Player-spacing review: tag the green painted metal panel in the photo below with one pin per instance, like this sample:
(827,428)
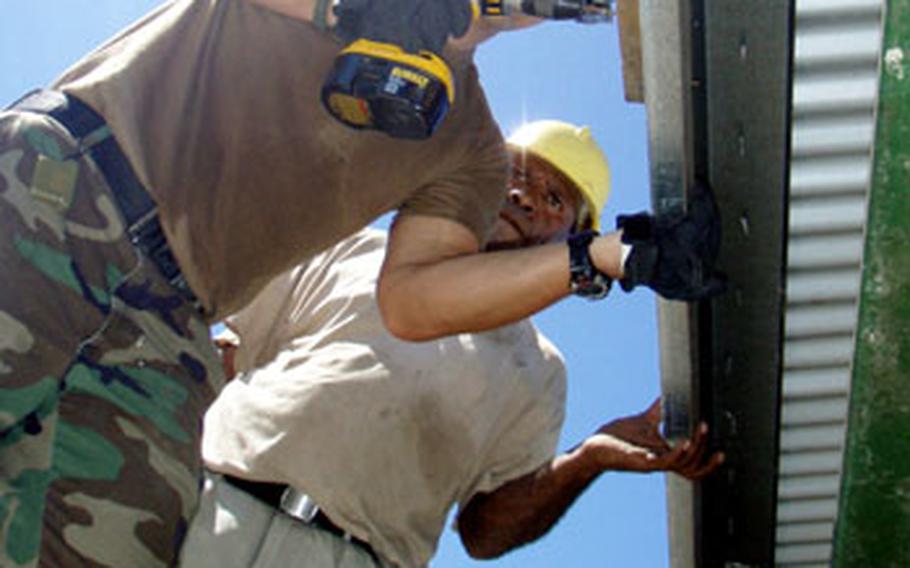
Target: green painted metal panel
(874,515)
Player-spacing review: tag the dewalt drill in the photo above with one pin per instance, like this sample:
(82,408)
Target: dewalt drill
(381,86)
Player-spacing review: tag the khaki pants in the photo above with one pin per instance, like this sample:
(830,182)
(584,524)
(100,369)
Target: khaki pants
(233,529)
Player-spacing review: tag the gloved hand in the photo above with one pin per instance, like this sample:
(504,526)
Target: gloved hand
(410,24)
(675,254)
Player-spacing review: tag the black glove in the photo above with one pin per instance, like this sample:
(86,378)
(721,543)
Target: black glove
(674,255)
(410,24)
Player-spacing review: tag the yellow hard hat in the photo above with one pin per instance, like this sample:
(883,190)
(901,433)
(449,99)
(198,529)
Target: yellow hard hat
(572,150)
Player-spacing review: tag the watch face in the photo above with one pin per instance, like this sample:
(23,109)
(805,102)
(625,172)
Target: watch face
(586,280)
(594,290)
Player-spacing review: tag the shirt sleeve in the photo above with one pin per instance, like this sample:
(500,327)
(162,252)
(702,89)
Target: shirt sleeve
(472,193)
(294,304)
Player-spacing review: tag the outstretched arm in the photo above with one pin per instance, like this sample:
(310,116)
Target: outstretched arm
(435,281)
(525,508)
(411,24)
(298,9)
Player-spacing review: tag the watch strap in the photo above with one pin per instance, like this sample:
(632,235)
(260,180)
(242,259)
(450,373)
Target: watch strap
(585,279)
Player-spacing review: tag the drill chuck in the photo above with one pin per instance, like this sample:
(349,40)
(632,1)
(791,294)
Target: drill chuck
(585,11)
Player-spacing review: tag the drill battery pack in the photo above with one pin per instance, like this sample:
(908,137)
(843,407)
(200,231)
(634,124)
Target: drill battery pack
(379,86)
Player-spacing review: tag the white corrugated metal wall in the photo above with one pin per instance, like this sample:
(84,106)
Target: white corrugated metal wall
(835,87)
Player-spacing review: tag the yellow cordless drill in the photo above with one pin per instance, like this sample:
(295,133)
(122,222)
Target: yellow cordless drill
(379,85)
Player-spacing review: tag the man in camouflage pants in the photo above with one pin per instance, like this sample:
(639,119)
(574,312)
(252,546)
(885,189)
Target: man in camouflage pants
(105,369)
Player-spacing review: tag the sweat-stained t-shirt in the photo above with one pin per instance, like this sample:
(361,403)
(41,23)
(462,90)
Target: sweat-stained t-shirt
(385,435)
(216,104)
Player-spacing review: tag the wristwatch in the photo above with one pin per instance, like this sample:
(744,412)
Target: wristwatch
(585,279)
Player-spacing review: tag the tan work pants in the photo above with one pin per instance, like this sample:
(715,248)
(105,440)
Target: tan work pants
(233,529)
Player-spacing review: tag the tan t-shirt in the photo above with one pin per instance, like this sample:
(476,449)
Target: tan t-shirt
(385,435)
(216,104)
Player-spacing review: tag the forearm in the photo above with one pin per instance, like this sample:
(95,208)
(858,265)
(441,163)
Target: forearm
(474,292)
(523,510)
(298,9)
(427,293)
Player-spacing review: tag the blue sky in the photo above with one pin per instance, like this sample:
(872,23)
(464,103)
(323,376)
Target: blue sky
(556,70)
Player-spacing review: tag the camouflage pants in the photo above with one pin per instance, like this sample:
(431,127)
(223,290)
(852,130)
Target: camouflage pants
(105,371)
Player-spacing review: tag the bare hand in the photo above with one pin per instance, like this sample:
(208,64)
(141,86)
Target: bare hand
(634,443)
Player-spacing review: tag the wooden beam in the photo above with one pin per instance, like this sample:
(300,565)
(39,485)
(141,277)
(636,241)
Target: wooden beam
(630,47)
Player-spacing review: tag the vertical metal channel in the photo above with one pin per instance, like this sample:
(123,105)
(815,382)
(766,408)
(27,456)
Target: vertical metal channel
(667,52)
(667,80)
(835,83)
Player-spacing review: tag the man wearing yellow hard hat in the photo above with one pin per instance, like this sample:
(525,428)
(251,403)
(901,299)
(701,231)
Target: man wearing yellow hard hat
(343,445)
(574,154)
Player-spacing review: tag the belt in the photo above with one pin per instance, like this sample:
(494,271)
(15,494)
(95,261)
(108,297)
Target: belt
(296,505)
(135,204)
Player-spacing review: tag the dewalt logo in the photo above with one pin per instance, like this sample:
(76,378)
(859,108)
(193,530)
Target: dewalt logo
(408,75)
